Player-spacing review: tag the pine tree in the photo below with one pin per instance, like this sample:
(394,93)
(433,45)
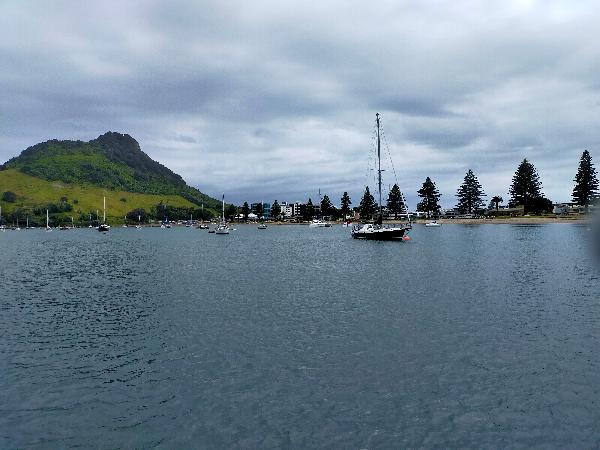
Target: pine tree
(367,206)
(345,203)
(586,182)
(245,211)
(526,186)
(275,210)
(309,212)
(431,197)
(470,194)
(326,206)
(230,212)
(395,201)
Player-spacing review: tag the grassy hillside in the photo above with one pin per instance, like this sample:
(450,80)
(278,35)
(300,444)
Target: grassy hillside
(33,192)
(112,161)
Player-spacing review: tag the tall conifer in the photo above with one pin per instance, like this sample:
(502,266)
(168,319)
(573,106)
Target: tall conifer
(586,182)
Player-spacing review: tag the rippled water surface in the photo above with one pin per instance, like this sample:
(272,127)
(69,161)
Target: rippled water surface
(467,336)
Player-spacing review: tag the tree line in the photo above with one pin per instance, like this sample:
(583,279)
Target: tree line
(525,191)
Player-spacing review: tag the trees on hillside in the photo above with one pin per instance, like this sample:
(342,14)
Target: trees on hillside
(345,203)
(395,201)
(9,197)
(430,198)
(470,194)
(526,187)
(367,206)
(586,182)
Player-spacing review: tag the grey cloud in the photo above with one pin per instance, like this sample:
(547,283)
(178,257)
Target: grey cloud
(272,100)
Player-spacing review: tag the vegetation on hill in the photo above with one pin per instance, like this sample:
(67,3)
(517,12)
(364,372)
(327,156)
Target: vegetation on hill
(31,196)
(112,161)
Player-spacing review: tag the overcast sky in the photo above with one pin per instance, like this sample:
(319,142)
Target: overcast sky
(272,99)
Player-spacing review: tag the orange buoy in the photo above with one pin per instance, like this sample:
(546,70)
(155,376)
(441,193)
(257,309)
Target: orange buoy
(406,238)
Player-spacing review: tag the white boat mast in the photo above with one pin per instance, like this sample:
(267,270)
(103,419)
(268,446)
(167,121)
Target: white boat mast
(104,212)
(379,167)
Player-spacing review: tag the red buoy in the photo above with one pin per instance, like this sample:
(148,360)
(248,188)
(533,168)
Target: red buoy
(406,238)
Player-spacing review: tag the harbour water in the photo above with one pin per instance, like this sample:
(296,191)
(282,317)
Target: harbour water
(465,337)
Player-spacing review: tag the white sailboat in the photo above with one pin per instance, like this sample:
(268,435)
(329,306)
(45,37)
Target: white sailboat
(48,222)
(202,225)
(318,223)
(139,225)
(378,231)
(433,224)
(104,227)
(222,228)
(2,226)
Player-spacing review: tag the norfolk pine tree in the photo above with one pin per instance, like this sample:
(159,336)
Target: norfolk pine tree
(586,182)
(367,206)
(345,203)
(470,194)
(430,196)
(275,210)
(326,206)
(526,186)
(245,211)
(395,203)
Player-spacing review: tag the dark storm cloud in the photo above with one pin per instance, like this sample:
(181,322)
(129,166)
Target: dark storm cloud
(271,100)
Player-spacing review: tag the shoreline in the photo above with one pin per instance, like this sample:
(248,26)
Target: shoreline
(511,220)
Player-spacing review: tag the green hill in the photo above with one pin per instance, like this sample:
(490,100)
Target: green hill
(72,177)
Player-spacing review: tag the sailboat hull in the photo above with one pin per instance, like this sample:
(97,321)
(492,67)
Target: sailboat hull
(374,233)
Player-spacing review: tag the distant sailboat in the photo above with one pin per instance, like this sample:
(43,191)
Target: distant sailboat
(222,228)
(48,222)
(377,231)
(139,225)
(318,223)
(433,224)
(202,225)
(104,227)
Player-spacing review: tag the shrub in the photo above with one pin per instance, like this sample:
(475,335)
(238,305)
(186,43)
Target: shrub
(9,197)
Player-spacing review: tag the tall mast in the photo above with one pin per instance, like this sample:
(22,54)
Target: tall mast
(104,209)
(379,165)
(223,207)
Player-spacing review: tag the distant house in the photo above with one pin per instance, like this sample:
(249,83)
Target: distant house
(450,213)
(506,211)
(561,208)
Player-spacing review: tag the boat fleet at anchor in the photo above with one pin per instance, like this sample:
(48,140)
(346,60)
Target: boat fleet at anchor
(368,231)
